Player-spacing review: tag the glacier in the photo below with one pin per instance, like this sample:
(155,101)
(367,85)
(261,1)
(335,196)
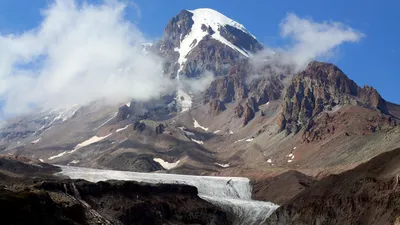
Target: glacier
(232,194)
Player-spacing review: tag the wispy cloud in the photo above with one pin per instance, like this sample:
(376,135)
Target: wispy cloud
(308,40)
(312,40)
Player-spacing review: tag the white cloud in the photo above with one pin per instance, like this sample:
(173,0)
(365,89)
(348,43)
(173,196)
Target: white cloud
(309,40)
(78,53)
(198,85)
(312,40)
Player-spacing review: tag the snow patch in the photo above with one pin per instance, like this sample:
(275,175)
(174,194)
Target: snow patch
(197,141)
(74,162)
(230,132)
(267,103)
(240,140)
(291,157)
(41,160)
(90,141)
(217,131)
(166,165)
(249,140)
(222,165)
(183,100)
(36,141)
(128,104)
(81,145)
(269,161)
(58,155)
(121,129)
(197,125)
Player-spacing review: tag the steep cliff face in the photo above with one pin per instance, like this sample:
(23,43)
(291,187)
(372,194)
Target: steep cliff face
(244,89)
(322,86)
(135,203)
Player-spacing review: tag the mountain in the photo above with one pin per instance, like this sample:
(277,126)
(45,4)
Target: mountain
(204,39)
(257,117)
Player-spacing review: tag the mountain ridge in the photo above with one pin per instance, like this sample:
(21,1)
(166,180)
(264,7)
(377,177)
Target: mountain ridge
(252,119)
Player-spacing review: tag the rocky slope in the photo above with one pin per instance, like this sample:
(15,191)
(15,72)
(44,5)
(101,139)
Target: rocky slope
(281,188)
(367,194)
(321,87)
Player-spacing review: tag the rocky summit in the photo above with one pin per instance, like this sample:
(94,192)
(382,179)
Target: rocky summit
(309,139)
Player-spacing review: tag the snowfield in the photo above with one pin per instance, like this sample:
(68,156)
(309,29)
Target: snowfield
(90,141)
(233,194)
(167,165)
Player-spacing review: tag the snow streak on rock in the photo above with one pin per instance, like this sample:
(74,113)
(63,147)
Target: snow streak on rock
(166,165)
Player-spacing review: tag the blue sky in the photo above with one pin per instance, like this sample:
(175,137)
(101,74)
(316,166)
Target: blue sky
(373,61)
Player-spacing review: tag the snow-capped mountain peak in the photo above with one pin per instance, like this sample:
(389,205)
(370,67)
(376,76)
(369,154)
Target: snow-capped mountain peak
(208,22)
(214,19)
(189,35)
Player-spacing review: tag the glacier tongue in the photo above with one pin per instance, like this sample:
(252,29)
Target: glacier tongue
(232,194)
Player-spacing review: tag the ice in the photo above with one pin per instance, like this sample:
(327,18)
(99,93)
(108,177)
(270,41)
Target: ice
(166,165)
(121,129)
(197,125)
(233,194)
